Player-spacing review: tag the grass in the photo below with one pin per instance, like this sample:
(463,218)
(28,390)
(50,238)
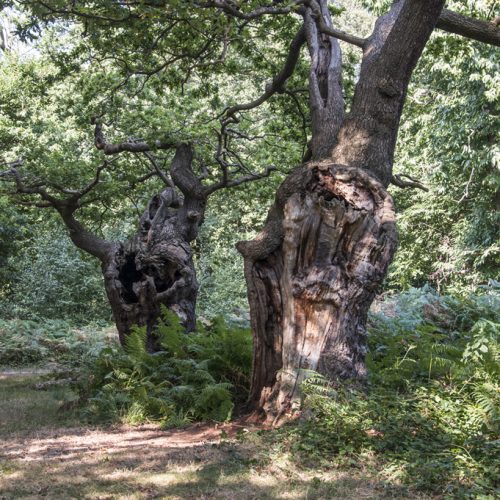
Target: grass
(25,409)
(48,453)
(425,426)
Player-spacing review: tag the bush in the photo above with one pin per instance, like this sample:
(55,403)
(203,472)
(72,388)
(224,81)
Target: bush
(429,412)
(29,342)
(51,278)
(194,377)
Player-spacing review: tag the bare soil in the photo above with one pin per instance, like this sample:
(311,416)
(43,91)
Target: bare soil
(45,454)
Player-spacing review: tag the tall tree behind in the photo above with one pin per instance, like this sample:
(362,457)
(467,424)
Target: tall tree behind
(314,270)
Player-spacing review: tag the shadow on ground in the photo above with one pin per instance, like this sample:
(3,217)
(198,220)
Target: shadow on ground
(42,457)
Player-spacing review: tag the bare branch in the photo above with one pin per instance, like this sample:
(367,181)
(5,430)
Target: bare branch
(230,8)
(240,180)
(130,146)
(398,181)
(161,174)
(329,30)
(452,22)
(33,189)
(325,80)
(11,164)
(84,15)
(80,236)
(277,83)
(91,185)
(36,204)
(483,31)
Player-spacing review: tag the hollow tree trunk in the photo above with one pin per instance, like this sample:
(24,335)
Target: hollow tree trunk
(153,269)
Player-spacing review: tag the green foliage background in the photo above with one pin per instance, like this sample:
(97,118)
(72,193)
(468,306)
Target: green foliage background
(429,414)
(450,236)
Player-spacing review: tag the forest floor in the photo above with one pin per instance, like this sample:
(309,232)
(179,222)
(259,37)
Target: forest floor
(49,453)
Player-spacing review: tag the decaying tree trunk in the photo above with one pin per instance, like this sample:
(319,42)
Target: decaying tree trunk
(310,296)
(314,270)
(154,268)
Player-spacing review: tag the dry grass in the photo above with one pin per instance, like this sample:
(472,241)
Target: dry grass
(43,454)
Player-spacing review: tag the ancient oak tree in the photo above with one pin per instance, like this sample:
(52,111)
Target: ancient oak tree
(314,269)
(313,272)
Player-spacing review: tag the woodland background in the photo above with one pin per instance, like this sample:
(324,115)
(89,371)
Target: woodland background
(433,330)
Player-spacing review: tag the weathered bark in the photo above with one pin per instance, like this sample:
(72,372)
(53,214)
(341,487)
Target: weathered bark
(152,269)
(155,267)
(326,102)
(313,272)
(310,296)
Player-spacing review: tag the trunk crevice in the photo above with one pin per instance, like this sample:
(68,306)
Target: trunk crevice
(310,297)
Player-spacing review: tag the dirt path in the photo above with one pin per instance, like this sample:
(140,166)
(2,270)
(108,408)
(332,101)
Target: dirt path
(45,454)
(70,442)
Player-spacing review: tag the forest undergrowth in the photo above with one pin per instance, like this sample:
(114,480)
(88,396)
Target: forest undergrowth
(427,417)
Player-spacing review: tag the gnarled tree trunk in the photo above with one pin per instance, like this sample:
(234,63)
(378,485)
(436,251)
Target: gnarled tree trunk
(310,296)
(313,272)
(153,269)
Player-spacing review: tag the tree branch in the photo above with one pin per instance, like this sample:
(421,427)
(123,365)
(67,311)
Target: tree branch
(327,28)
(398,181)
(80,236)
(483,31)
(277,83)
(91,185)
(83,238)
(182,173)
(161,174)
(325,80)
(130,146)
(241,180)
(368,137)
(231,8)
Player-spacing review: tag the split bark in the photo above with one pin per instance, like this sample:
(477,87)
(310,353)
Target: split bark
(313,272)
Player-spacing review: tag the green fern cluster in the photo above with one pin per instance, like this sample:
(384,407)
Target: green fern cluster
(455,343)
(37,342)
(194,377)
(430,407)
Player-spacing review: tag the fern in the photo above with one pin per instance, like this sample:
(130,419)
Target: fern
(190,379)
(135,344)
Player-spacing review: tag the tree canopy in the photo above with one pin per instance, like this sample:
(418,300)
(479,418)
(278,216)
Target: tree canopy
(170,102)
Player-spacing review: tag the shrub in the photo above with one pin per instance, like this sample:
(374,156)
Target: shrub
(28,342)
(50,278)
(194,377)
(429,411)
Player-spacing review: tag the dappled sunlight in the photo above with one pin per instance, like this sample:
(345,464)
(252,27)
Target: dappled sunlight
(147,462)
(66,444)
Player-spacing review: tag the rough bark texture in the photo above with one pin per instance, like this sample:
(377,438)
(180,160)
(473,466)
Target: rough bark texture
(152,269)
(326,102)
(310,297)
(313,272)
(367,139)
